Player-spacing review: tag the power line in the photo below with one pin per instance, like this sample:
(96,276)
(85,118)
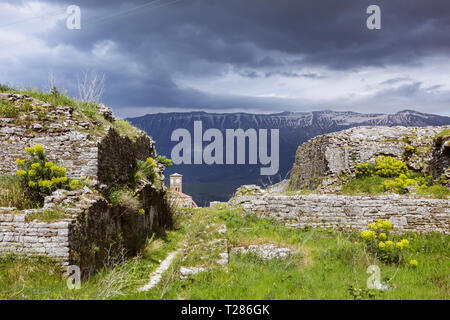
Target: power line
(96,21)
(32,18)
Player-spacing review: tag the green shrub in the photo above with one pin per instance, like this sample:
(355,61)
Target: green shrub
(408,151)
(4,88)
(388,174)
(8,110)
(389,167)
(145,170)
(398,185)
(12,194)
(164,161)
(384,166)
(379,241)
(125,198)
(40,177)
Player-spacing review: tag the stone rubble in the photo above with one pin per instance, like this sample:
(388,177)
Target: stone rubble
(266,252)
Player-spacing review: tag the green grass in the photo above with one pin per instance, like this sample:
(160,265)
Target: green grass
(60,99)
(23,278)
(364,185)
(435,191)
(125,128)
(12,194)
(443,133)
(56,98)
(48,216)
(372,185)
(326,265)
(8,110)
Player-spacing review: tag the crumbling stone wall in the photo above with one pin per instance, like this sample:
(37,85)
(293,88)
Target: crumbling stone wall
(96,234)
(77,151)
(104,234)
(85,147)
(108,158)
(93,233)
(352,212)
(22,237)
(324,160)
(117,156)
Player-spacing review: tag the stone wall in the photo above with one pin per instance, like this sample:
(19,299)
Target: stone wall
(327,159)
(104,234)
(21,237)
(75,150)
(87,148)
(117,155)
(106,158)
(91,233)
(406,213)
(94,235)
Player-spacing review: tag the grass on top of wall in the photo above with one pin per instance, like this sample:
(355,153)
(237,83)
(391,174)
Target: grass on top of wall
(372,185)
(58,98)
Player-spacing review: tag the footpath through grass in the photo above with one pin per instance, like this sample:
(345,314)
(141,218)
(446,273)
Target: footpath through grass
(326,265)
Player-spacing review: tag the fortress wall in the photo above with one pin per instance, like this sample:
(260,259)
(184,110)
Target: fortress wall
(420,215)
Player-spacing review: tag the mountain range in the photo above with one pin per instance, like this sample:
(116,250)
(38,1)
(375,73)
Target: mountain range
(207,183)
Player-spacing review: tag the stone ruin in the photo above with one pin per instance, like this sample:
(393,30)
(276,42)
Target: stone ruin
(95,233)
(325,162)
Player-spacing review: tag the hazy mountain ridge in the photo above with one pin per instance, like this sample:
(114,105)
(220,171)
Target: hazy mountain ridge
(295,129)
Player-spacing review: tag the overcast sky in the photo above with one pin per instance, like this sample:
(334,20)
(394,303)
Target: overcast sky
(235,55)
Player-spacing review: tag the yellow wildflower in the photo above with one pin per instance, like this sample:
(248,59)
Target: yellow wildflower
(389,245)
(413,263)
(39,149)
(21,173)
(36,165)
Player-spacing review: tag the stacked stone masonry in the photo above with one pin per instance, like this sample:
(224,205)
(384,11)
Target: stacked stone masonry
(77,143)
(420,215)
(21,237)
(94,234)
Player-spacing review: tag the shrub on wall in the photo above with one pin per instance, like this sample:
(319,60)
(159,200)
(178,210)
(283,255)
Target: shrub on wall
(384,166)
(392,175)
(40,177)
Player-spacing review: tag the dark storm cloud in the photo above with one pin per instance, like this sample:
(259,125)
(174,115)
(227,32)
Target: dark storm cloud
(325,32)
(255,38)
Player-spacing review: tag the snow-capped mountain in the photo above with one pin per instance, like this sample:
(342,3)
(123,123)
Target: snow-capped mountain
(217,182)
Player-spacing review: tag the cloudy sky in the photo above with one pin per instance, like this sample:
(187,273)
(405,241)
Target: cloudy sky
(235,55)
